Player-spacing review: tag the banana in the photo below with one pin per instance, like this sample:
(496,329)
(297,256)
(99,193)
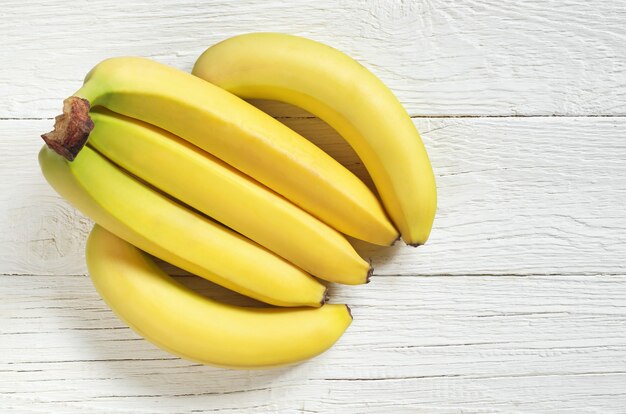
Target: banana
(232,130)
(160,226)
(189,325)
(349,98)
(203,182)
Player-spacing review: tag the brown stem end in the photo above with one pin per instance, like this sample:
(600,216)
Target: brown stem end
(71,128)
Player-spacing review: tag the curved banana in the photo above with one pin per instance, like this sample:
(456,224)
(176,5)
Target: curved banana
(160,226)
(203,182)
(232,130)
(194,327)
(349,98)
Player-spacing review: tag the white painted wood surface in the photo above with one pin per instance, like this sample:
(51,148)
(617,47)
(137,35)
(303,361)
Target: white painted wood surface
(440,57)
(518,302)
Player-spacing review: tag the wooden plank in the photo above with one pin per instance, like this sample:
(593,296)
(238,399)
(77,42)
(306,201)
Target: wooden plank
(440,58)
(516,196)
(437,344)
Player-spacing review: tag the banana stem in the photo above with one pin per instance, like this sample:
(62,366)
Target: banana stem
(71,128)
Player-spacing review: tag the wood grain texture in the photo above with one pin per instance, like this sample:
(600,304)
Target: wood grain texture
(438,344)
(516,196)
(440,58)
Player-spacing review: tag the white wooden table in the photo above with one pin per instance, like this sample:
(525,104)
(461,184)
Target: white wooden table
(516,304)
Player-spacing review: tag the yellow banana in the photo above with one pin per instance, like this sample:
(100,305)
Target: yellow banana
(205,183)
(160,226)
(347,96)
(234,131)
(194,327)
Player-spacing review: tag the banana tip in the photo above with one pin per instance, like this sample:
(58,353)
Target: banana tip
(349,312)
(325,297)
(370,272)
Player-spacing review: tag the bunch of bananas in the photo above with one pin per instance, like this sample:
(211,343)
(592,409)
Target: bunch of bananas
(179,166)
